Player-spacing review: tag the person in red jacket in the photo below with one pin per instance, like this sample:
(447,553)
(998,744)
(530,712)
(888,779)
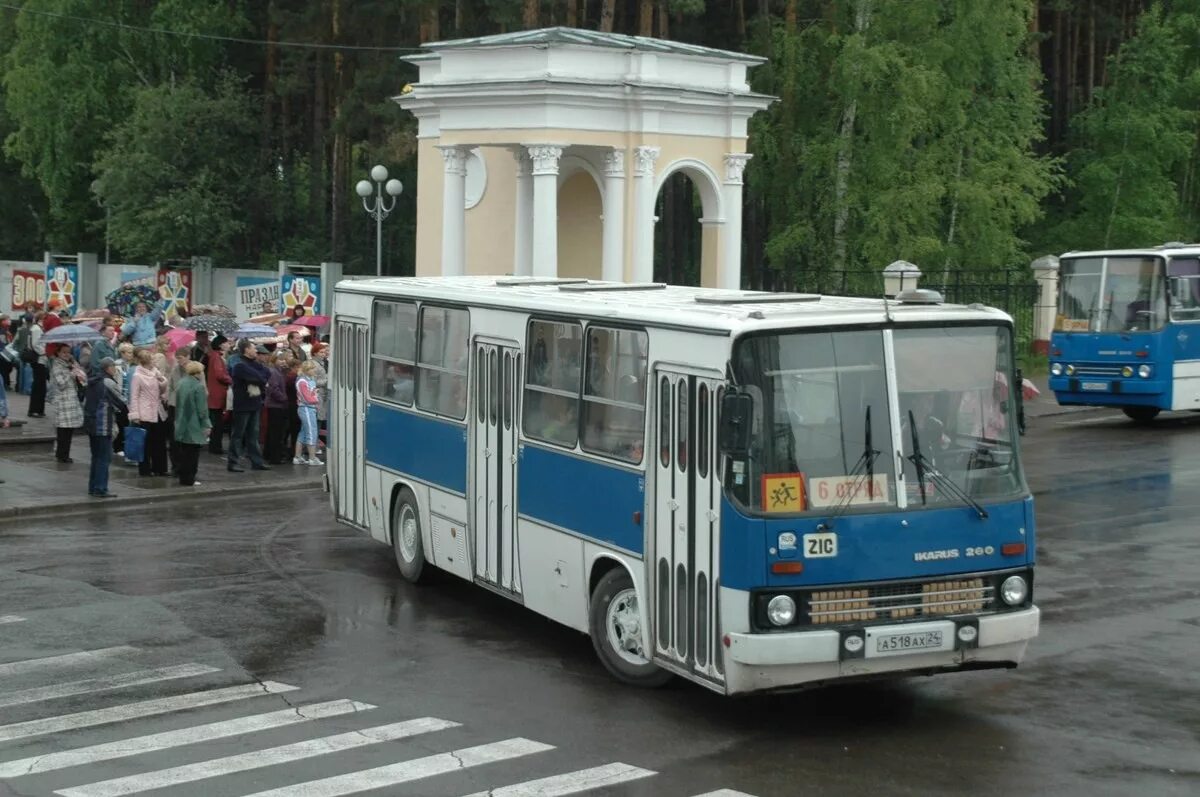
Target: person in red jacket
(219,381)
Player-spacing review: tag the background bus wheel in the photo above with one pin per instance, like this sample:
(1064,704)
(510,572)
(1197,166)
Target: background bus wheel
(1141,414)
(615,625)
(406,536)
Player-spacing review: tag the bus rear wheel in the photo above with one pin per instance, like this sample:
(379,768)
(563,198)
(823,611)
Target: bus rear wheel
(1141,414)
(614,621)
(406,536)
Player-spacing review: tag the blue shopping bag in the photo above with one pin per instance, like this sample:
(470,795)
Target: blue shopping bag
(135,443)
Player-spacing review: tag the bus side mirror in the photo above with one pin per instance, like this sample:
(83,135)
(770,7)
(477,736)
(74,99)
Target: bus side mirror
(733,434)
(1019,398)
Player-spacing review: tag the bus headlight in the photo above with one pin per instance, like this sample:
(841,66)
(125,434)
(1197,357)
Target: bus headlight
(1127,372)
(1014,590)
(1056,369)
(1144,371)
(1070,370)
(781,610)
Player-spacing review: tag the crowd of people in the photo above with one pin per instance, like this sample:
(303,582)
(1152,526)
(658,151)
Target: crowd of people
(133,394)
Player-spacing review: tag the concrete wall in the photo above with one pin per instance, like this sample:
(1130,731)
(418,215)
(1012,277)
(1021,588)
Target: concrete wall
(113,275)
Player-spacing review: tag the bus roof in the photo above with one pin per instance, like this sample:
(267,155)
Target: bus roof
(1166,250)
(655,304)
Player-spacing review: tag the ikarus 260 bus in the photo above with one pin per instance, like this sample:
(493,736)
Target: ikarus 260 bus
(753,491)
(1127,333)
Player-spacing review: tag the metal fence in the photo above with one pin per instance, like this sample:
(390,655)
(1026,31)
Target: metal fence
(1015,292)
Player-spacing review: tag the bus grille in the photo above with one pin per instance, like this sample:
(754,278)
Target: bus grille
(1097,370)
(899,601)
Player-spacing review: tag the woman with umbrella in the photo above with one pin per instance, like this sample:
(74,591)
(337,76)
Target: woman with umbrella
(67,377)
(141,328)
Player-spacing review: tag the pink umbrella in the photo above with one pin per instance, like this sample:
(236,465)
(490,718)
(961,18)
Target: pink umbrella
(1029,390)
(179,337)
(314,321)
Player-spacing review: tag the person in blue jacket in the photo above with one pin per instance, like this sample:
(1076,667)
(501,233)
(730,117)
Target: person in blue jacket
(250,379)
(141,328)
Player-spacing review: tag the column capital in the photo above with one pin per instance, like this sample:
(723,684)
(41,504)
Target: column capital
(455,158)
(735,165)
(614,163)
(643,160)
(544,157)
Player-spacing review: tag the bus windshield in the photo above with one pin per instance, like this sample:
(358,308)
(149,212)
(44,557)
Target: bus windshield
(823,413)
(1111,294)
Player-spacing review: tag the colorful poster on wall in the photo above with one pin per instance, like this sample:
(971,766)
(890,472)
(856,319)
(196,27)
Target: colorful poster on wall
(257,295)
(137,278)
(28,286)
(176,285)
(301,295)
(62,286)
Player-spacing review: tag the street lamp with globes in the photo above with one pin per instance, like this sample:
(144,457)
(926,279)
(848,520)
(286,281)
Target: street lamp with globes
(379,207)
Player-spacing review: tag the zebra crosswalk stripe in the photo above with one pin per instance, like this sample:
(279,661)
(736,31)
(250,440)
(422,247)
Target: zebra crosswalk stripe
(257,759)
(146,708)
(51,663)
(724,793)
(11,618)
(136,678)
(156,742)
(407,771)
(571,782)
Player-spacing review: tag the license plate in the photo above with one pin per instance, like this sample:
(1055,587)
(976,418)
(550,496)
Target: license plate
(1094,385)
(899,643)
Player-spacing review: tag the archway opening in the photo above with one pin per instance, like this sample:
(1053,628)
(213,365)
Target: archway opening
(580,227)
(678,235)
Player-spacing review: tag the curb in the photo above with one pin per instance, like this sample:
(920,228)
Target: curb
(176,494)
(28,440)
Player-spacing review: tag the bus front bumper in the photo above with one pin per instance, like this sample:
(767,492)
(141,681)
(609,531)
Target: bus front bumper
(758,662)
(1108,390)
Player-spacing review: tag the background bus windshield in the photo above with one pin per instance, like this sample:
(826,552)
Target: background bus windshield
(1113,294)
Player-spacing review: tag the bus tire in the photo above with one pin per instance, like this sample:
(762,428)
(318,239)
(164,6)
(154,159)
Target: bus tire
(406,536)
(1141,414)
(613,614)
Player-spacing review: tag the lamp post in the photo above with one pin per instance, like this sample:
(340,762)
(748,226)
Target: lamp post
(379,207)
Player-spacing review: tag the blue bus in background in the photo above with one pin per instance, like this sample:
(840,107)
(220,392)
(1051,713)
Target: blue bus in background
(1127,330)
(753,491)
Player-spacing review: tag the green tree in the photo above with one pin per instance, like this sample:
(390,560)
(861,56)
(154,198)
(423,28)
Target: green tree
(178,174)
(1135,146)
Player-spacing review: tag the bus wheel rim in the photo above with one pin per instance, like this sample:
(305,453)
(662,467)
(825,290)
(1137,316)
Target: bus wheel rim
(623,625)
(408,534)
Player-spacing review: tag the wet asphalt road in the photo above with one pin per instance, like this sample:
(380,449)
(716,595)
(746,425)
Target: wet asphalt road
(270,589)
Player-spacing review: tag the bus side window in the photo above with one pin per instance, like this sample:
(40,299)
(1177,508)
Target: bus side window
(442,361)
(614,393)
(550,411)
(393,351)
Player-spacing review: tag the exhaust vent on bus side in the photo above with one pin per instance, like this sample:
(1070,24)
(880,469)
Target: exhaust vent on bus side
(596,287)
(755,297)
(509,282)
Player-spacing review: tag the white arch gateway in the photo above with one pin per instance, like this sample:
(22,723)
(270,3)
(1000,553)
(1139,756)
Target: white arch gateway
(622,112)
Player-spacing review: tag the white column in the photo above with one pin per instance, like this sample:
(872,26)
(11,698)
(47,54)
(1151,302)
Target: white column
(729,273)
(1045,271)
(523,224)
(545,159)
(643,252)
(612,268)
(454,212)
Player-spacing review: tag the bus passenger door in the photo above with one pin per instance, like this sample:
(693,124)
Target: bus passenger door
(687,523)
(494,465)
(346,417)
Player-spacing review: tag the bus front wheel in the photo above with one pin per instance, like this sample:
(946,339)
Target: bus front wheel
(406,536)
(614,621)
(1141,414)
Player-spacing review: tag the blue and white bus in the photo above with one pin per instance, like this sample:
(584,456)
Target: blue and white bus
(1127,331)
(753,491)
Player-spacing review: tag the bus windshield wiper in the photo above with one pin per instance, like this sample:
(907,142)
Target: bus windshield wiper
(866,462)
(925,466)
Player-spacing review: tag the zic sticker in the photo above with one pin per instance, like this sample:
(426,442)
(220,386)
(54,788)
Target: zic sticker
(820,546)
